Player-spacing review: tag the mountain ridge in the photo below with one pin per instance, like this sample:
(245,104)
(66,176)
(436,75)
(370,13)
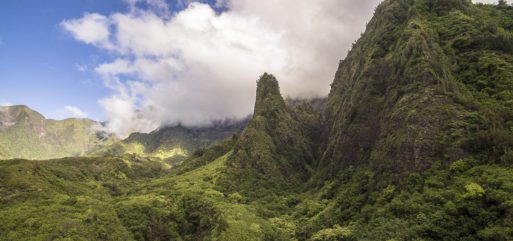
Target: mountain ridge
(25,133)
(172,144)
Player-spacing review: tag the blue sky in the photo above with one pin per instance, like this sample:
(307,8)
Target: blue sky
(42,66)
(39,63)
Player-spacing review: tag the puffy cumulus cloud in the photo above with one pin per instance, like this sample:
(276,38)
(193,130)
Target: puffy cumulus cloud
(92,28)
(198,64)
(71,112)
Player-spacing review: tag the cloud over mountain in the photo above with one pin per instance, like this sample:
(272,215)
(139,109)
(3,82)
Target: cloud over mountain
(201,63)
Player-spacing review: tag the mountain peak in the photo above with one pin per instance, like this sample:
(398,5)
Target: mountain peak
(268,95)
(272,150)
(10,115)
(14,108)
(268,82)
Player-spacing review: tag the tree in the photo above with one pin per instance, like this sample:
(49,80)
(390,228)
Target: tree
(336,233)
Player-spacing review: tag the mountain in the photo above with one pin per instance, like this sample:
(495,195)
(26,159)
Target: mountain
(419,127)
(24,133)
(415,143)
(423,84)
(272,150)
(172,144)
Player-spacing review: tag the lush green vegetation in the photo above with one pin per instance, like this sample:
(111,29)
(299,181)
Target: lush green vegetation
(416,143)
(67,199)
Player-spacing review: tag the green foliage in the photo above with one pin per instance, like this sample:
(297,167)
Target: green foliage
(152,218)
(474,190)
(336,233)
(472,203)
(236,197)
(67,199)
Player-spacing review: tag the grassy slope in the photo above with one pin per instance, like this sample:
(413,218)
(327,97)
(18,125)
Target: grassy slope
(29,135)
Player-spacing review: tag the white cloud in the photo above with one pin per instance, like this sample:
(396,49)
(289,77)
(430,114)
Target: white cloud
(92,28)
(71,112)
(197,65)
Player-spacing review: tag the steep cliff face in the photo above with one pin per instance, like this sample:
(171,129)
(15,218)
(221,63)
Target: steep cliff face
(399,93)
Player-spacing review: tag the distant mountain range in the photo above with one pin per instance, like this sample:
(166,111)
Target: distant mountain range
(172,144)
(26,134)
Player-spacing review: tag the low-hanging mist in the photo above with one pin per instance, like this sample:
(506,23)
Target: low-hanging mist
(200,63)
